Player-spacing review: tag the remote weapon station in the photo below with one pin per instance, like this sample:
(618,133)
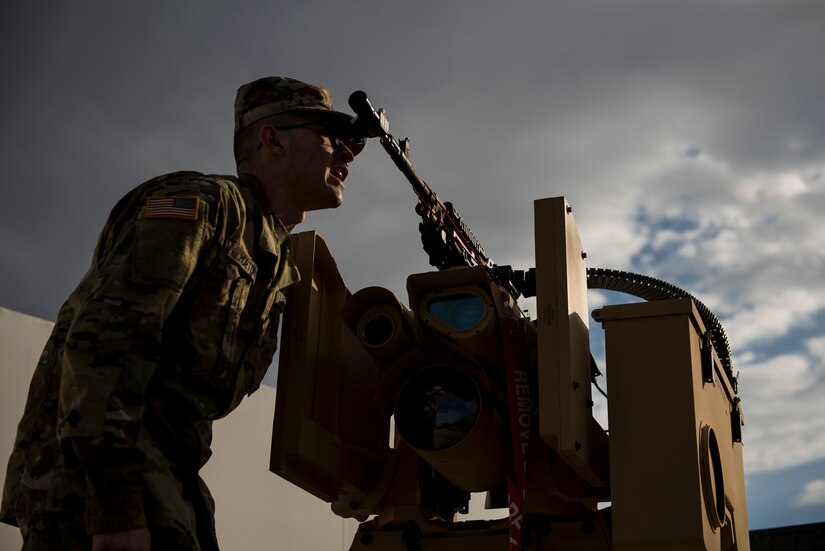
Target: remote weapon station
(487,400)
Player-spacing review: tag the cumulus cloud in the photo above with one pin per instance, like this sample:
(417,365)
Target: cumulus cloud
(784,425)
(748,243)
(812,494)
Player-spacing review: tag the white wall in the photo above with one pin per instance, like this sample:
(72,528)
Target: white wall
(22,338)
(256,510)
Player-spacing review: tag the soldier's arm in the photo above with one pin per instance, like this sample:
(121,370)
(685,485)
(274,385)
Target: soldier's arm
(113,347)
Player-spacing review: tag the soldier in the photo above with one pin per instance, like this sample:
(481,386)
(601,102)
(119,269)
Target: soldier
(174,323)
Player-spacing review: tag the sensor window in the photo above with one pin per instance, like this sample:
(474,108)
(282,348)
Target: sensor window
(460,312)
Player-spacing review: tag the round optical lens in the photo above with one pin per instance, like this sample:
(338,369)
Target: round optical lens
(437,408)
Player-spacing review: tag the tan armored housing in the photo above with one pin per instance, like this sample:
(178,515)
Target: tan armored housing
(486,399)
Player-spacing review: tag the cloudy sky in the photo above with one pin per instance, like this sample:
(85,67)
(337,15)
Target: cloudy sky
(688,136)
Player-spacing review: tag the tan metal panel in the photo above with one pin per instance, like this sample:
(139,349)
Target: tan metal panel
(328,435)
(565,416)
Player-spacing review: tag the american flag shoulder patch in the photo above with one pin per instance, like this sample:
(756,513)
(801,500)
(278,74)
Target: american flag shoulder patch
(184,208)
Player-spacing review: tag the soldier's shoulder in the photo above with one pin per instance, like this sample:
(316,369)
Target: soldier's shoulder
(207,193)
(190,182)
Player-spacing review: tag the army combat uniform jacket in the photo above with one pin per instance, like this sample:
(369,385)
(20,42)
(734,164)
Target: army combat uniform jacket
(174,323)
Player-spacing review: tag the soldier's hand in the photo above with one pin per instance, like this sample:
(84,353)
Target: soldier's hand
(130,540)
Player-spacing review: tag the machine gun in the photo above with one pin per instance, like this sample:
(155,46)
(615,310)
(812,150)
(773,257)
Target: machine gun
(449,242)
(485,399)
(446,237)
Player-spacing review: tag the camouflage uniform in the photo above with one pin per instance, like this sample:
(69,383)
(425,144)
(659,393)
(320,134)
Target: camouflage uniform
(174,323)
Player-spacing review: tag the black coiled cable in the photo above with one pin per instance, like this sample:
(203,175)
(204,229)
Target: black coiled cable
(650,288)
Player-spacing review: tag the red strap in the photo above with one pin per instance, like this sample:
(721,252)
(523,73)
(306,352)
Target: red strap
(519,405)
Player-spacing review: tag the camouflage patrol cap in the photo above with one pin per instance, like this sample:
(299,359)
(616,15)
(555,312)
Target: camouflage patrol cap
(270,96)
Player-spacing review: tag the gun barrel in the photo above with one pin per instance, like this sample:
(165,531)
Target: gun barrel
(375,125)
(446,237)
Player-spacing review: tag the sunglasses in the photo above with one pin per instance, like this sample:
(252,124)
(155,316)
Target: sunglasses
(336,133)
